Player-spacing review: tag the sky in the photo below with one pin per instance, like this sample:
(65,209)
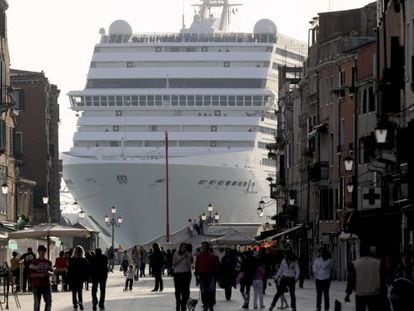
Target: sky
(58,36)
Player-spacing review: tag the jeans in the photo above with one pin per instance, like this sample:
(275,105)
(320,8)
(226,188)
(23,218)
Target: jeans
(182,289)
(76,288)
(128,284)
(208,290)
(258,293)
(102,289)
(38,292)
(322,286)
(289,283)
(370,302)
(158,279)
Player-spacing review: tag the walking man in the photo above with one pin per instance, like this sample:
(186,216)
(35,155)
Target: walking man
(40,270)
(144,259)
(27,258)
(364,278)
(206,269)
(322,270)
(99,275)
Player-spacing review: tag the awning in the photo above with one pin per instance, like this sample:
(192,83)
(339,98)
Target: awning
(287,231)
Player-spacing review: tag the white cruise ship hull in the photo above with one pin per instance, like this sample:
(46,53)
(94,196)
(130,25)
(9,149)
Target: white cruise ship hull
(138,190)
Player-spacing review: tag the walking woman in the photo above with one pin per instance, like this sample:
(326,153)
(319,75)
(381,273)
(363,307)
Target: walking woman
(77,274)
(181,262)
(288,274)
(322,270)
(157,265)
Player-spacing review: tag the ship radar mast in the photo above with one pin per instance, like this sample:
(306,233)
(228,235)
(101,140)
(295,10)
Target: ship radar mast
(206,17)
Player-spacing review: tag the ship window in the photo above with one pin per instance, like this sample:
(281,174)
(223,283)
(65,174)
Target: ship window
(115,128)
(158,100)
(202,182)
(213,128)
(245,184)
(150,100)
(207,100)
(114,143)
(228,183)
(240,184)
(232,100)
(153,128)
(118,113)
(191,49)
(142,100)
(127,100)
(221,182)
(226,64)
(217,113)
(119,101)
(182,100)
(234,183)
(111,100)
(104,101)
(212,182)
(248,100)
(213,144)
(95,100)
(204,49)
(158,49)
(215,100)
(199,100)
(166,99)
(190,100)
(223,100)
(130,64)
(257,100)
(134,100)
(88,100)
(239,100)
(174,100)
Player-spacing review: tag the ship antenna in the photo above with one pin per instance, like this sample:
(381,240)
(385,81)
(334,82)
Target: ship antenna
(183,17)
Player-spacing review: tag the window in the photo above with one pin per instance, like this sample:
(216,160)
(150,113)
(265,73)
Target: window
(207,100)
(364,101)
(223,100)
(213,128)
(118,113)
(134,100)
(130,64)
(327,204)
(257,100)
(234,183)
(158,49)
(371,99)
(111,100)
(228,183)
(248,101)
(150,100)
(245,184)
(119,101)
(240,101)
(215,100)
(153,128)
(166,99)
(183,100)
(115,128)
(18,144)
(127,100)
(95,100)
(226,64)
(174,100)
(221,182)
(213,144)
(88,100)
(104,101)
(204,49)
(142,100)
(240,184)
(212,182)
(202,182)
(232,101)
(114,143)
(199,100)
(190,99)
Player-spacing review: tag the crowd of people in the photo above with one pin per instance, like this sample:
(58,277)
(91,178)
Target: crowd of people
(379,284)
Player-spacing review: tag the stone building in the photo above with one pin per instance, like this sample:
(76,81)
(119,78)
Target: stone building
(37,129)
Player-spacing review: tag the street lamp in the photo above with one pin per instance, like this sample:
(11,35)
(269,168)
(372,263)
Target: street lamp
(291,201)
(46,202)
(203,216)
(5,191)
(350,187)
(114,222)
(381,135)
(210,210)
(216,217)
(349,163)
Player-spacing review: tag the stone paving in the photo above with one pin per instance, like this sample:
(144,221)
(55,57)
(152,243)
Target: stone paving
(141,297)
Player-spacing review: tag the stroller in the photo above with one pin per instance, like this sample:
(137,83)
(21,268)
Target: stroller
(400,295)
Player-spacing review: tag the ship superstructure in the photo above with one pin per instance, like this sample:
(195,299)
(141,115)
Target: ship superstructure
(213,91)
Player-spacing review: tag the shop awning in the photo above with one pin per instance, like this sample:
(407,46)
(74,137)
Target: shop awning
(287,231)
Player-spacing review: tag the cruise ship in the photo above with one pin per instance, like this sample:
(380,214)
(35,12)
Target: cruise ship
(199,103)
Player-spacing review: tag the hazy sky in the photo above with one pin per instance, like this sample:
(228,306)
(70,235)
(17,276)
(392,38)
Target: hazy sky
(57,36)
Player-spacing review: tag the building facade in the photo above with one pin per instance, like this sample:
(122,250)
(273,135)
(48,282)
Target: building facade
(38,122)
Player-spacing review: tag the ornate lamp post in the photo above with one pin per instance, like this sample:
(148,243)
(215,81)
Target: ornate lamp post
(210,210)
(216,217)
(113,221)
(46,203)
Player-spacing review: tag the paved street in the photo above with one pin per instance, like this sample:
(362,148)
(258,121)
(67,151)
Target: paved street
(141,298)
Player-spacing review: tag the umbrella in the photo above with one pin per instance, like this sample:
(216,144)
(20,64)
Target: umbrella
(47,231)
(235,238)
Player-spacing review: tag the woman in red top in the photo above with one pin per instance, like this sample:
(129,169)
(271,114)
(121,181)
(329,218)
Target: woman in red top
(61,268)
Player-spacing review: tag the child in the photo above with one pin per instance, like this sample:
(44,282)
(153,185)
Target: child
(258,287)
(129,277)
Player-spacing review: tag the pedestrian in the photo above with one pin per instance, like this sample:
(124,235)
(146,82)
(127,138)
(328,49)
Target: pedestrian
(111,259)
(168,259)
(258,286)
(157,265)
(190,228)
(61,269)
(26,258)
(364,277)
(15,270)
(129,278)
(137,263)
(248,269)
(134,253)
(303,269)
(125,262)
(322,271)
(182,262)
(207,269)
(40,269)
(89,256)
(119,254)
(99,275)
(288,274)
(78,273)
(227,272)
(144,260)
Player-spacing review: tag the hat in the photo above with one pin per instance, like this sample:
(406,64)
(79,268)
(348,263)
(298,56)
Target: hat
(41,248)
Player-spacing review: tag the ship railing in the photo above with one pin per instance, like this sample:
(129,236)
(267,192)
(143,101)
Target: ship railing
(191,38)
